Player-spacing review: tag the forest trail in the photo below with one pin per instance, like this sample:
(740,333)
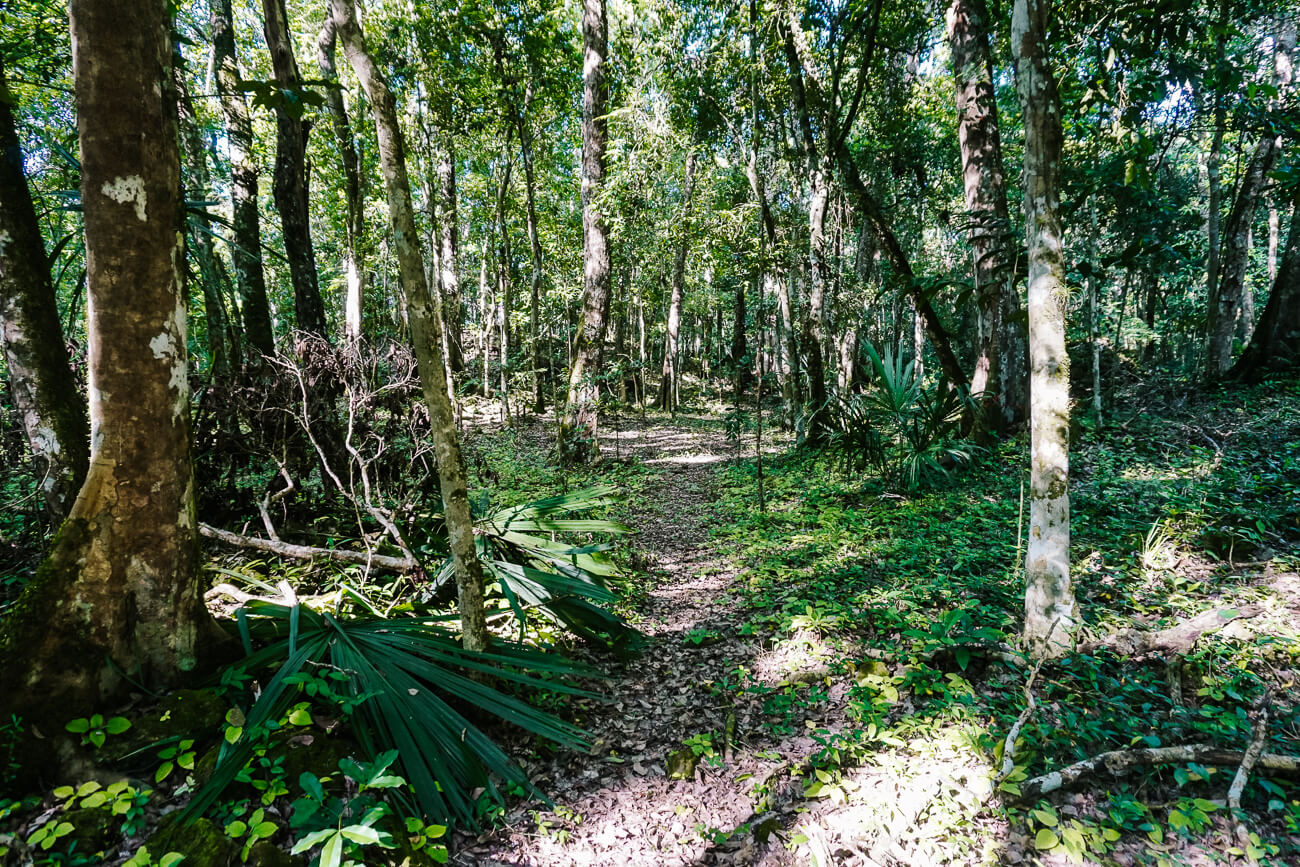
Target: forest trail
(620,804)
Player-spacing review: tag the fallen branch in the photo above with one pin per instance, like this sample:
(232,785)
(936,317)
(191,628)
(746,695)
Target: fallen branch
(1260,714)
(1009,747)
(1179,638)
(306,552)
(1117,762)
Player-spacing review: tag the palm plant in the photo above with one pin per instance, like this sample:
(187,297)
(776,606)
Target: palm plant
(537,572)
(899,427)
(407,677)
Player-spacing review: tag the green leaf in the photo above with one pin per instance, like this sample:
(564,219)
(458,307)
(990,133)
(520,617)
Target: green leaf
(265,829)
(171,859)
(236,829)
(331,854)
(312,839)
(117,725)
(233,734)
(1046,839)
(1045,817)
(78,726)
(362,834)
(163,770)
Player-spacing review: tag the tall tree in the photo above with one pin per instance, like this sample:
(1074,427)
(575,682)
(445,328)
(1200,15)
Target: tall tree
(999,370)
(121,582)
(246,230)
(1226,302)
(40,377)
(1275,343)
(426,326)
(354,225)
(579,426)
(669,387)
(291,182)
(1050,616)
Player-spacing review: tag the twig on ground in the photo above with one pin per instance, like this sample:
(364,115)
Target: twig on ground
(1260,714)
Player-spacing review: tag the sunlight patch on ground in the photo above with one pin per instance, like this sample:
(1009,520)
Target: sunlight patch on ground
(688,459)
(919,805)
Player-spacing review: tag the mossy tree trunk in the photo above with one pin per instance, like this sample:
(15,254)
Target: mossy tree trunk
(426,326)
(45,392)
(121,582)
(1050,615)
(579,431)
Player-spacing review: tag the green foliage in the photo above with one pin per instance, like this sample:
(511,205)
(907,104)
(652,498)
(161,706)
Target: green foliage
(413,668)
(95,729)
(899,427)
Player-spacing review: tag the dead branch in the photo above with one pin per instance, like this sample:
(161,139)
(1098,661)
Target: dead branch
(1117,762)
(306,552)
(1009,747)
(1260,714)
(1179,638)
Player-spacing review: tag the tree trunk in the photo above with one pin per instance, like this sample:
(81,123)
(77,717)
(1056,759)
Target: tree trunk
(1225,303)
(1050,611)
(40,377)
(291,182)
(426,325)
(1275,343)
(449,233)
(196,160)
(578,441)
(246,231)
(535,247)
(504,283)
(669,392)
(790,391)
(986,204)
(353,266)
(121,581)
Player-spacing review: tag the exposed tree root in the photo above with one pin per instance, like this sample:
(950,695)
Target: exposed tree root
(1259,713)
(1179,638)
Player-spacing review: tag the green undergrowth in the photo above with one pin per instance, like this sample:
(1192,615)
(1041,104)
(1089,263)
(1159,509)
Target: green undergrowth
(911,600)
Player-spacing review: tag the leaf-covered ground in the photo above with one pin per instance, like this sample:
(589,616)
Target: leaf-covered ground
(827,682)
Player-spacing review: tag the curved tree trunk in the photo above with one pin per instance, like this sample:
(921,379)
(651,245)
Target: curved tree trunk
(669,391)
(425,321)
(246,252)
(999,373)
(579,429)
(291,183)
(121,581)
(1050,611)
(46,394)
(353,266)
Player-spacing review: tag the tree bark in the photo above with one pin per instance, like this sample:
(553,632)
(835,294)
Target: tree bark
(1225,303)
(1050,611)
(579,428)
(353,265)
(669,392)
(291,182)
(449,233)
(999,372)
(535,249)
(1275,343)
(121,581)
(196,160)
(426,326)
(47,397)
(246,252)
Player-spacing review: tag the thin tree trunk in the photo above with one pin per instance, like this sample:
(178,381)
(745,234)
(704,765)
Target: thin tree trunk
(669,394)
(1094,338)
(196,160)
(789,353)
(426,325)
(48,399)
(1050,610)
(578,441)
(986,204)
(121,582)
(246,231)
(535,248)
(291,182)
(353,266)
(1273,237)
(449,233)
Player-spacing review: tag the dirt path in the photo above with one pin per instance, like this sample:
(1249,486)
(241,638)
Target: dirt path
(620,804)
